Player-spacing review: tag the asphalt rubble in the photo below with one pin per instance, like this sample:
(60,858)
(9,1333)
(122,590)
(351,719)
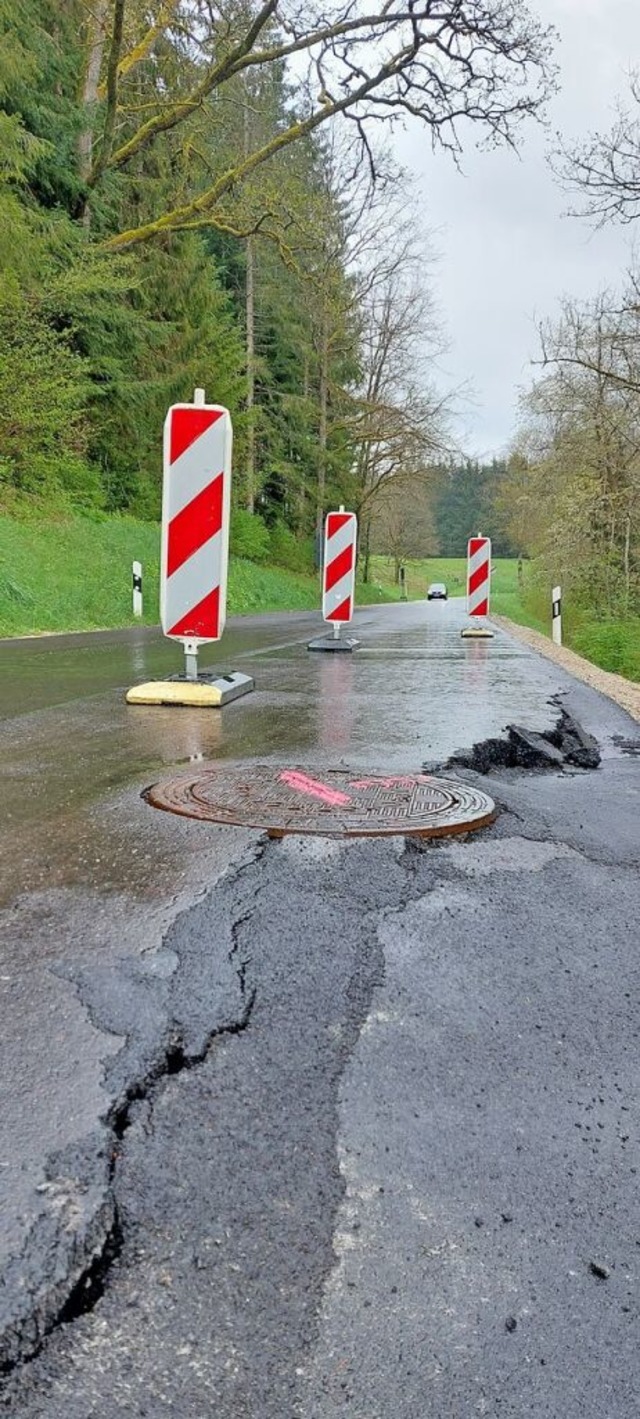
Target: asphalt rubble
(567,746)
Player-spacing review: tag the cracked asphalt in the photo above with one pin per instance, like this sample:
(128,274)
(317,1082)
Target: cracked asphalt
(344,1127)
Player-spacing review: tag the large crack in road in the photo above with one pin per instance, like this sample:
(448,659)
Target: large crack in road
(222,1173)
(166,1008)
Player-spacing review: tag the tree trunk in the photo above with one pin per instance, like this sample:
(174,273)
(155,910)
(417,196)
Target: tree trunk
(367,550)
(96,40)
(302,487)
(323,420)
(250,330)
(251,376)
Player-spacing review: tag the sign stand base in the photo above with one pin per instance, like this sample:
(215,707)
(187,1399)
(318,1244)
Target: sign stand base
(477,633)
(332,643)
(209,691)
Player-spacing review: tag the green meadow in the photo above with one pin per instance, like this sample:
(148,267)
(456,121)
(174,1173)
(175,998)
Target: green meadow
(75,575)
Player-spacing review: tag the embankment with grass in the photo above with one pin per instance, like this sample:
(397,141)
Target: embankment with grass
(74,574)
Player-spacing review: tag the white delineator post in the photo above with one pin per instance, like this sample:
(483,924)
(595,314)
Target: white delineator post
(339,570)
(196,503)
(478,576)
(136,570)
(556,615)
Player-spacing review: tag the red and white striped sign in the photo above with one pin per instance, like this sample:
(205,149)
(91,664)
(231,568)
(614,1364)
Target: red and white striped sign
(478,576)
(338,585)
(196,495)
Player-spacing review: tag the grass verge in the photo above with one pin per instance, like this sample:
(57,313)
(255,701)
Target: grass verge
(612,645)
(505,591)
(75,575)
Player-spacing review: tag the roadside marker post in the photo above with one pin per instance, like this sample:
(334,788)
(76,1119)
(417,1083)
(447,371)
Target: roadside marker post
(338,579)
(478,587)
(136,571)
(404,595)
(556,615)
(196,504)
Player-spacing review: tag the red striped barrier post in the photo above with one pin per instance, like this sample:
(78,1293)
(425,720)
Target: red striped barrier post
(478,576)
(478,584)
(196,497)
(196,501)
(338,578)
(339,573)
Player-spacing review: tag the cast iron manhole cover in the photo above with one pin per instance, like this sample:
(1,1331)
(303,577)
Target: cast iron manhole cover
(334,803)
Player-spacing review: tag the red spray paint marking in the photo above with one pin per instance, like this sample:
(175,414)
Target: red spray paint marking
(314,789)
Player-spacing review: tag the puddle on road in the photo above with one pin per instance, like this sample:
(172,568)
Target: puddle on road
(407,695)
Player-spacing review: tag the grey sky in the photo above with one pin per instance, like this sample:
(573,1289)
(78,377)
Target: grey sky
(507,251)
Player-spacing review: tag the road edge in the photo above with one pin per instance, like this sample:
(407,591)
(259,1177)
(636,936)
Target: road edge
(623,692)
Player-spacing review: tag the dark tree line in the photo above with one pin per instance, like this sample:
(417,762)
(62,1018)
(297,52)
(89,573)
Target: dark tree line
(194,193)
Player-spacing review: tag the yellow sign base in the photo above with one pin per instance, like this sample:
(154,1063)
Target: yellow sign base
(477,633)
(191,694)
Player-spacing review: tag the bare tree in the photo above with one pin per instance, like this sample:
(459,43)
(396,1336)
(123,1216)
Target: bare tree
(444,62)
(402,519)
(601,337)
(397,421)
(577,494)
(604,170)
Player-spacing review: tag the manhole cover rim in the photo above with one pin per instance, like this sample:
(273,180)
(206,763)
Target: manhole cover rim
(394,804)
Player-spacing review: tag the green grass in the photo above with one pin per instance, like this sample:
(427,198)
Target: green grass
(505,594)
(75,574)
(613,645)
(418,576)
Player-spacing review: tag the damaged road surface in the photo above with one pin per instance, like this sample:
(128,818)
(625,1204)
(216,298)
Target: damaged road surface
(369,1137)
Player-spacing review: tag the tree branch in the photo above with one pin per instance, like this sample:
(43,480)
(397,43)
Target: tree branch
(112,93)
(141,49)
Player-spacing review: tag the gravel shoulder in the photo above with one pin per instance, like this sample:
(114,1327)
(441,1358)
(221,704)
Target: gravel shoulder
(622,692)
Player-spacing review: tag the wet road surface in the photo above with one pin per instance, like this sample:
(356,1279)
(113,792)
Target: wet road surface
(353,1123)
(68,742)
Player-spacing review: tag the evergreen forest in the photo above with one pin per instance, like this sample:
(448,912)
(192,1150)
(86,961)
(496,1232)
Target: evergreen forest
(207,194)
(195,194)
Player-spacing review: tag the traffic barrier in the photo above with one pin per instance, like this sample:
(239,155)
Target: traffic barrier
(196,502)
(478,586)
(478,576)
(196,496)
(339,575)
(556,615)
(338,579)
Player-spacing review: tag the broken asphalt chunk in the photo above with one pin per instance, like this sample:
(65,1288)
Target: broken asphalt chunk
(534,751)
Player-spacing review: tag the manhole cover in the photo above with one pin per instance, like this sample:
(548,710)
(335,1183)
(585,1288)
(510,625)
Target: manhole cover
(336,803)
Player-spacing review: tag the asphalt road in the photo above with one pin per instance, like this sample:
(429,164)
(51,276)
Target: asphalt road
(347,1127)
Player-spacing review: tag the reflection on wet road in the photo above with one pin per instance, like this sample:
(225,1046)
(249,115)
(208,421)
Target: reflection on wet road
(434,1001)
(70,746)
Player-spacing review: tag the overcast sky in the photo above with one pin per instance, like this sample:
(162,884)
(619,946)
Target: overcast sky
(507,251)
